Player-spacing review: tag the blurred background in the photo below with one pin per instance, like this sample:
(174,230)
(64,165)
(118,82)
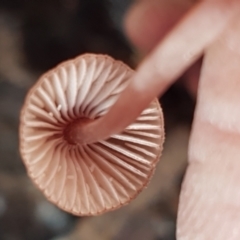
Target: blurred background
(35,36)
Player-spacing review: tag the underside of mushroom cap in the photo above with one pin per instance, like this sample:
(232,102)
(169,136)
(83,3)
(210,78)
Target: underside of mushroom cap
(94,178)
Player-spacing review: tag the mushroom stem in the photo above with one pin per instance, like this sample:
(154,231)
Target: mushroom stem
(178,51)
(74,132)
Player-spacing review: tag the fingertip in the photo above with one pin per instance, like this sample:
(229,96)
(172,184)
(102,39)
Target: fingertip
(147,22)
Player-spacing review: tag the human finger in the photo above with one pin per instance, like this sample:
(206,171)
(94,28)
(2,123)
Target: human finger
(210,197)
(147,22)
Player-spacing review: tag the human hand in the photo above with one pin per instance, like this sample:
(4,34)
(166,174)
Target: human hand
(210,197)
(209,200)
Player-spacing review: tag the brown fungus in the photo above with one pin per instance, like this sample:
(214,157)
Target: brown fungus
(87,179)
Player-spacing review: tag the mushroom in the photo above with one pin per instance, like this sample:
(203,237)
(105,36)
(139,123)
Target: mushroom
(87,179)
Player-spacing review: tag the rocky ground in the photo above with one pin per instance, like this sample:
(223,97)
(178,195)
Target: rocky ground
(35,36)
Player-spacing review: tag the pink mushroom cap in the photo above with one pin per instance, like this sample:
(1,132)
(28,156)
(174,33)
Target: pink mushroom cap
(87,179)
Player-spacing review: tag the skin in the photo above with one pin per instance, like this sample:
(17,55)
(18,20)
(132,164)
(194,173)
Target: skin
(210,198)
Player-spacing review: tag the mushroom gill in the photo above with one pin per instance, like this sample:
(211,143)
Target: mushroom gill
(87,179)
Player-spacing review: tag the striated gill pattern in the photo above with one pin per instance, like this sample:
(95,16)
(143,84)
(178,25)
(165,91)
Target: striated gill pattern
(87,179)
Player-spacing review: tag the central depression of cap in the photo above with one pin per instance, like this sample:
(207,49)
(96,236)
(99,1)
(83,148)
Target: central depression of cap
(95,178)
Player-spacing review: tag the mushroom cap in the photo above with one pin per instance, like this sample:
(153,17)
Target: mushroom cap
(95,178)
